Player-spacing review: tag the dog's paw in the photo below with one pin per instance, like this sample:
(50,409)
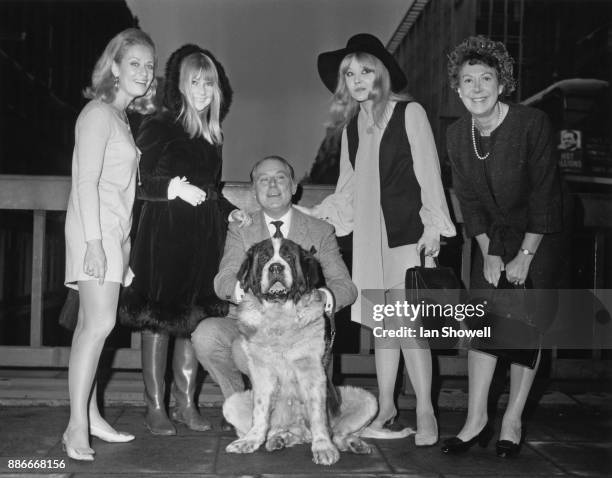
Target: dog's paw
(352,443)
(324,453)
(276,442)
(242,445)
(357,445)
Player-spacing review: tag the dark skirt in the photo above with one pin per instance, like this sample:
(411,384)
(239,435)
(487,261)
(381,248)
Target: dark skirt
(175,258)
(547,274)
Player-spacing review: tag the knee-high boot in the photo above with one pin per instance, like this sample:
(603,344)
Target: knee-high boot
(185,372)
(154,350)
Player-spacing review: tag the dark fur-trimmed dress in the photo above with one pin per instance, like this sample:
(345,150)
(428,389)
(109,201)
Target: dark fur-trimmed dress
(178,246)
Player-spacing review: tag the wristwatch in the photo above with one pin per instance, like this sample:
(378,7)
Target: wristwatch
(527,252)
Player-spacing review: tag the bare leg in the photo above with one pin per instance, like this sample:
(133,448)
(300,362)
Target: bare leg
(95,417)
(419,366)
(387,361)
(97,312)
(521,379)
(480,373)
(386,355)
(99,427)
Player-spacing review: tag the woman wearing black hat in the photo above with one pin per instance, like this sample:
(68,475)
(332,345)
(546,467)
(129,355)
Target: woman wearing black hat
(181,232)
(385,136)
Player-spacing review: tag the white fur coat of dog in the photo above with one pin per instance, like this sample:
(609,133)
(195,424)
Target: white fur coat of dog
(282,326)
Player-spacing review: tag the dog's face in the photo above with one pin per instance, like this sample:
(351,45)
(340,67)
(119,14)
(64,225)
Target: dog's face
(278,269)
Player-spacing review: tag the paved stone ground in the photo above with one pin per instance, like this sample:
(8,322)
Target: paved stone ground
(560,441)
(569,433)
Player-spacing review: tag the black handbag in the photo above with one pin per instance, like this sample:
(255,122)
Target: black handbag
(70,311)
(509,311)
(437,289)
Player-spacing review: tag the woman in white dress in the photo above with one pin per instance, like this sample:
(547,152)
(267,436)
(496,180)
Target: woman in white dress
(98,221)
(390,195)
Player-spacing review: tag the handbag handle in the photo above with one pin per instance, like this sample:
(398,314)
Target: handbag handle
(525,298)
(506,284)
(423,259)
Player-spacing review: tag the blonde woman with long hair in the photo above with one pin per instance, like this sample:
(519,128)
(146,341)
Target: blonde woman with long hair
(390,195)
(181,232)
(98,221)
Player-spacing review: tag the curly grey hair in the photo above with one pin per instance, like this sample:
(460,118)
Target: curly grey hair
(482,50)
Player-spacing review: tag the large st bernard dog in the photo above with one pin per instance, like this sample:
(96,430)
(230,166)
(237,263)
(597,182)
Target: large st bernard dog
(282,327)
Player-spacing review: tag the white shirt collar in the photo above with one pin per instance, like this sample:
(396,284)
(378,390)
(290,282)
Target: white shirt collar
(286,218)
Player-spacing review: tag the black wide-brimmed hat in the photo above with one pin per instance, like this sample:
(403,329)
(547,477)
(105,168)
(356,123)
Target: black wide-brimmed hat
(329,62)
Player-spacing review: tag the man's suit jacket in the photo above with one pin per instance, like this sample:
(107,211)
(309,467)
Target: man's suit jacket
(304,230)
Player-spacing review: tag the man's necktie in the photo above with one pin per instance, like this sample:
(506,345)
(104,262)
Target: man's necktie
(277,224)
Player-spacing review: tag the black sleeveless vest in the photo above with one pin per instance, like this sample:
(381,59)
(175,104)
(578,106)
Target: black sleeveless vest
(400,193)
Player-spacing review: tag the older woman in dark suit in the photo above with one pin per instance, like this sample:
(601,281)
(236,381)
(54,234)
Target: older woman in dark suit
(507,181)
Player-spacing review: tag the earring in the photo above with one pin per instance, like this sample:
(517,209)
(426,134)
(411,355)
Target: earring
(116,82)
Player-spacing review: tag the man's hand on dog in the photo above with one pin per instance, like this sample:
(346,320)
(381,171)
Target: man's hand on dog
(325,296)
(289,401)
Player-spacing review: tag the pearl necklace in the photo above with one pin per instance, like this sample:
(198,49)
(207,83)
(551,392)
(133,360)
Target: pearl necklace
(499,119)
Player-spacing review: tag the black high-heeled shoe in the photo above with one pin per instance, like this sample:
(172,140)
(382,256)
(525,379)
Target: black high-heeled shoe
(456,446)
(509,449)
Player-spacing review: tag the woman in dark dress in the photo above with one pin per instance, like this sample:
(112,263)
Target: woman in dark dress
(181,231)
(507,181)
